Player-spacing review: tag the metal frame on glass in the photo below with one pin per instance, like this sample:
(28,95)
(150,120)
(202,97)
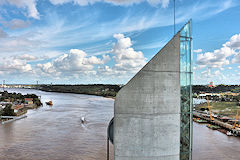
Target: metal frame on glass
(186,92)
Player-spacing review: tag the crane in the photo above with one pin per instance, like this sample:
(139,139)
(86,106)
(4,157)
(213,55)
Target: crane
(234,125)
(210,114)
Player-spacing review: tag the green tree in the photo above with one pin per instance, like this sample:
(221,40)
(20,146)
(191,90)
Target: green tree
(8,111)
(237,98)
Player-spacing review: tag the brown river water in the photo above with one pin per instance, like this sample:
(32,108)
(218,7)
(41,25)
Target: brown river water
(56,133)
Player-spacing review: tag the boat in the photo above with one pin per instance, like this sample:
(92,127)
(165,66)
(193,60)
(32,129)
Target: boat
(49,103)
(213,127)
(83,119)
(229,133)
(198,120)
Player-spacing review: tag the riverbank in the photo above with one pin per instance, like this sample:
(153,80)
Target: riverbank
(228,109)
(14,106)
(104,90)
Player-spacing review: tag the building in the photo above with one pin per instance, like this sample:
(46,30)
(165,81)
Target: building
(28,101)
(1,107)
(153,111)
(211,85)
(17,108)
(210,95)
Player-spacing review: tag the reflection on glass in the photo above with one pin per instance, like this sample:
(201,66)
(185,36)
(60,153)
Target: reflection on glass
(186,92)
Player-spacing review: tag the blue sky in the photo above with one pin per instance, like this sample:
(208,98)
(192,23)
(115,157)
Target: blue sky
(108,41)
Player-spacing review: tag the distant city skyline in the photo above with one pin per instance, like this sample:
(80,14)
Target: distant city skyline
(109,41)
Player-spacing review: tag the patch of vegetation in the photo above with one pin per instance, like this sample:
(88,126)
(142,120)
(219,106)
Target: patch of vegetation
(8,111)
(236,90)
(18,97)
(221,108)
(218,89)
(94,89)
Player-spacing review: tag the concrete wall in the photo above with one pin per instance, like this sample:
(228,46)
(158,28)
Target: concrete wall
(147,110)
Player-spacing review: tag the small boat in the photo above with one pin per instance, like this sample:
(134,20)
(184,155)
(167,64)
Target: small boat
(83,119)
(213,127)
(49,103)
(229,133)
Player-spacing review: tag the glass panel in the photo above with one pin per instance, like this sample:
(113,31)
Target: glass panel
(186,92)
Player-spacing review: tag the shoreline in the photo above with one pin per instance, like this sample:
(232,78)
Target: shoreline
(14,119)
(91,94)
(103,90)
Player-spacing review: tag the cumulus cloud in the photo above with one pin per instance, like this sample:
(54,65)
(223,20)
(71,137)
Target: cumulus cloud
(206,73)
(126,58)
(76,64)
(234,42)
(16,24)
(229,53)
(76,61)
(215,59)
(30,5)
(197,50)
(164,3)
(209,74)
(15,66)
(236,58)
(47,68)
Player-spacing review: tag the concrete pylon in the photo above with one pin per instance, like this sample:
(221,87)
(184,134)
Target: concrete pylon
(148,109)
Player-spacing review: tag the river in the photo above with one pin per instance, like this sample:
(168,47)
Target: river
(56,133)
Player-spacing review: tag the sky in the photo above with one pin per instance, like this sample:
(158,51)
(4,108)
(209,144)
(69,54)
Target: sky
(109,41)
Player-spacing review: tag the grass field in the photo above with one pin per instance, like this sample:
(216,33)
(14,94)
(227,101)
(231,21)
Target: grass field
(222,108)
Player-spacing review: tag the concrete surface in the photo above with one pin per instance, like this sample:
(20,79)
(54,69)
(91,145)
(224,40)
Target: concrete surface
(147,110)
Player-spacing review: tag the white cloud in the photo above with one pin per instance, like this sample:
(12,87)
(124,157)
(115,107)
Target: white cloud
(197,50)
(219,58)
(78,64)
(26,57)
(126,58)
(229,53)
(236,58)
(127,61)
(73,63)
(215,59)
(164,3)
(208,74)
(47,68)
(11,45)
(15,66)
(29,4)
(239,67)
(234,42)
(217,73)
(15,24)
